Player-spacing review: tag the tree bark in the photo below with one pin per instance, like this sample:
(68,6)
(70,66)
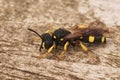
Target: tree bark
(19,52)
(19,60)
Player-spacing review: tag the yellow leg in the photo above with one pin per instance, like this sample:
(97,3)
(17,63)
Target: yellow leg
(48,31)
(81,26)
(36,39)
(83,47)
(48,52)
(63,52)
(91,55)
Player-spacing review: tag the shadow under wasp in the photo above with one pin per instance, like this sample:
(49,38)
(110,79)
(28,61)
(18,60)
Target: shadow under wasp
(77,35)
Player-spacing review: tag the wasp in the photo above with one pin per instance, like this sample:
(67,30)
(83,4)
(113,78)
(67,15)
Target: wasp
(77,35)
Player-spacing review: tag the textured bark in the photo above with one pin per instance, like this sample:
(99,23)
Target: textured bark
(19,60)
(19,52)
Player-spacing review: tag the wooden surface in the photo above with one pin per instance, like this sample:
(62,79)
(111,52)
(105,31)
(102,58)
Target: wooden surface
(19,60)
(19,52)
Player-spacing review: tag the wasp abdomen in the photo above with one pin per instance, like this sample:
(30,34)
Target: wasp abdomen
(93,39)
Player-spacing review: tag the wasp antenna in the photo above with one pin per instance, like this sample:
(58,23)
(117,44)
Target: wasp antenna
(34,32)
(41,46)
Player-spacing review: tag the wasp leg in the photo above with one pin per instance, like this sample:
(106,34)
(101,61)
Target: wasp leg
(84,47)
(81,26)
(48,52)
(63,52)
(93,58)
(36,39)
(50,32)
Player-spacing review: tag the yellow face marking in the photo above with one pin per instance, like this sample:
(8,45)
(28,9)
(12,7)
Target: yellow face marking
(61,39)
(91,38)
(54,37)
(81,37)
(102,39)
(43,45)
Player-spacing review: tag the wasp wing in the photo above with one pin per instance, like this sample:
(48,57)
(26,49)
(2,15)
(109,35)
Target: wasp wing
(79,32)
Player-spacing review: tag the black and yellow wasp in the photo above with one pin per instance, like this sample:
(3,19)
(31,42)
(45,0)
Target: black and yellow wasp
(76,35)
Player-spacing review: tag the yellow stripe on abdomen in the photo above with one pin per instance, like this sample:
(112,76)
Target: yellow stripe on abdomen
(91,39)
(103,39)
